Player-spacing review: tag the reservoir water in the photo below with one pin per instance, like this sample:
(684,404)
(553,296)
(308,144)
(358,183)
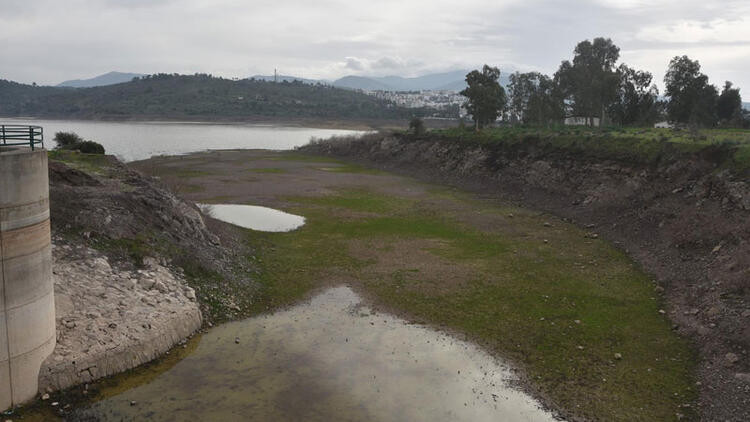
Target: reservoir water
(254,217)
(331,359)
(132,141)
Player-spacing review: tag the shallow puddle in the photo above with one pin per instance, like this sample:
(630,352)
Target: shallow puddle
(254,217)
(330,359)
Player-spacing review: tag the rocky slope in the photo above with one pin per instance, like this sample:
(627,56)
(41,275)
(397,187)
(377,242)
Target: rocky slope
(109,320)
(136,269)
(684,218)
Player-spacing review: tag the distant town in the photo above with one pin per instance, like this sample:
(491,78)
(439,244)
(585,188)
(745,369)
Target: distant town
(450,103)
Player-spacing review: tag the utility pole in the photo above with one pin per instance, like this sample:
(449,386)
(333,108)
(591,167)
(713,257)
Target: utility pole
(274,75)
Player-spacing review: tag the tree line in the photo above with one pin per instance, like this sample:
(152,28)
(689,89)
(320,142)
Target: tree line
(593,86)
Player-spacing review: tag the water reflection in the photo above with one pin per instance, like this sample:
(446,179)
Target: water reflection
(254,217)
(328,360)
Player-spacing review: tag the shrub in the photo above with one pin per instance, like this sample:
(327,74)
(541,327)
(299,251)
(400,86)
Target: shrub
(71,141)
(416,126)
(67,139)
(89,147)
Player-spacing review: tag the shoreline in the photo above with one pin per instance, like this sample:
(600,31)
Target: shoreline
(364,125)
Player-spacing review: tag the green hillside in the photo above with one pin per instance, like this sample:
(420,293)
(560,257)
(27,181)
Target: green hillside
(197,96)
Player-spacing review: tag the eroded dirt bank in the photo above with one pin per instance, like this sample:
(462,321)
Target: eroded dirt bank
(683,219)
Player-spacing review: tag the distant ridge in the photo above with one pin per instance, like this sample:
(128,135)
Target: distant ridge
(453,81)
(288,78)
(200,97)
(446,81)
(110,78)
(362,82)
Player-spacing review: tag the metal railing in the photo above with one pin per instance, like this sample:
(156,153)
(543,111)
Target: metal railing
(21,135)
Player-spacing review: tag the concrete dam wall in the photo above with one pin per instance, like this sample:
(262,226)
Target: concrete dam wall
(27,305)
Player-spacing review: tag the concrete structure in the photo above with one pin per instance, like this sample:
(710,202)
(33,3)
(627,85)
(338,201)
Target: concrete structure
(664,125)
(582,121)
(27,305)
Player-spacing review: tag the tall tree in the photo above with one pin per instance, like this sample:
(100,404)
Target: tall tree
(590,82)
(729,106)
(692,99)
(533,99)
(485,98)
(636,100)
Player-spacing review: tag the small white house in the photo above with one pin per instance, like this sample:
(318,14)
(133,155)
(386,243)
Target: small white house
(581,121)
(664,125)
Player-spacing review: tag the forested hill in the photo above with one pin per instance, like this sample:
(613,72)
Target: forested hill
(197,96)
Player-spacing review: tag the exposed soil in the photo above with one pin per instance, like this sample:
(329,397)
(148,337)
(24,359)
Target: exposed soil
(685,221)
(415,261)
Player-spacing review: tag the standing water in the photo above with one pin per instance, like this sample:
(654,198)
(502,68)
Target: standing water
(331,359)
(141,140)
(254,217)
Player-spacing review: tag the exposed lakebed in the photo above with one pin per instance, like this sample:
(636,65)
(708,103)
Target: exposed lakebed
(331,358)
(254,217)
(565,307)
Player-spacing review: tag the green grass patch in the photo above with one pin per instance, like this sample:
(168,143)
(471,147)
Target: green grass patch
(350,168)
(630,145)
(90,163)
(266,170)
(357,200)
(560,310)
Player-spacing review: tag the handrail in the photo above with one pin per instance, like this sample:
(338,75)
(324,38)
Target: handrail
(21,135)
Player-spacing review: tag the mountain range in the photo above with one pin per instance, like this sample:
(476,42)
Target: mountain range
(446,81)
(201,97)
(110,78)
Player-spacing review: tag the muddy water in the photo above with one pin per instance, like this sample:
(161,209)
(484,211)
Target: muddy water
(331,359)
(254,217)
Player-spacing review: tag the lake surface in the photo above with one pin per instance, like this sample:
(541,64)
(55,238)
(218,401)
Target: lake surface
(132,141)
(331,359)
(254,217)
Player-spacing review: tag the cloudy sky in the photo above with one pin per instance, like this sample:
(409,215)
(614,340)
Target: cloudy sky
(48,41)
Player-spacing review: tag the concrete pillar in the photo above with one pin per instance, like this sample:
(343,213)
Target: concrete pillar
(27,303)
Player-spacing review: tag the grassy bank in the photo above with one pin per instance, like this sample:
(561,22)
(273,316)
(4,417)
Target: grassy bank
(629,145)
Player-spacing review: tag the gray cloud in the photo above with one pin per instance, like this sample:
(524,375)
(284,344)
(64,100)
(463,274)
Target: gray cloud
(353,64)
(50,40)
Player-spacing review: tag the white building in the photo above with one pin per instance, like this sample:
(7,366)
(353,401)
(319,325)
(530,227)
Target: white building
(664,125)
(581,121)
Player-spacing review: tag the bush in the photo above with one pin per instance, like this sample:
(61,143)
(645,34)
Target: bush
(71,141)
(416,126)
(67,139)
(89,147)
